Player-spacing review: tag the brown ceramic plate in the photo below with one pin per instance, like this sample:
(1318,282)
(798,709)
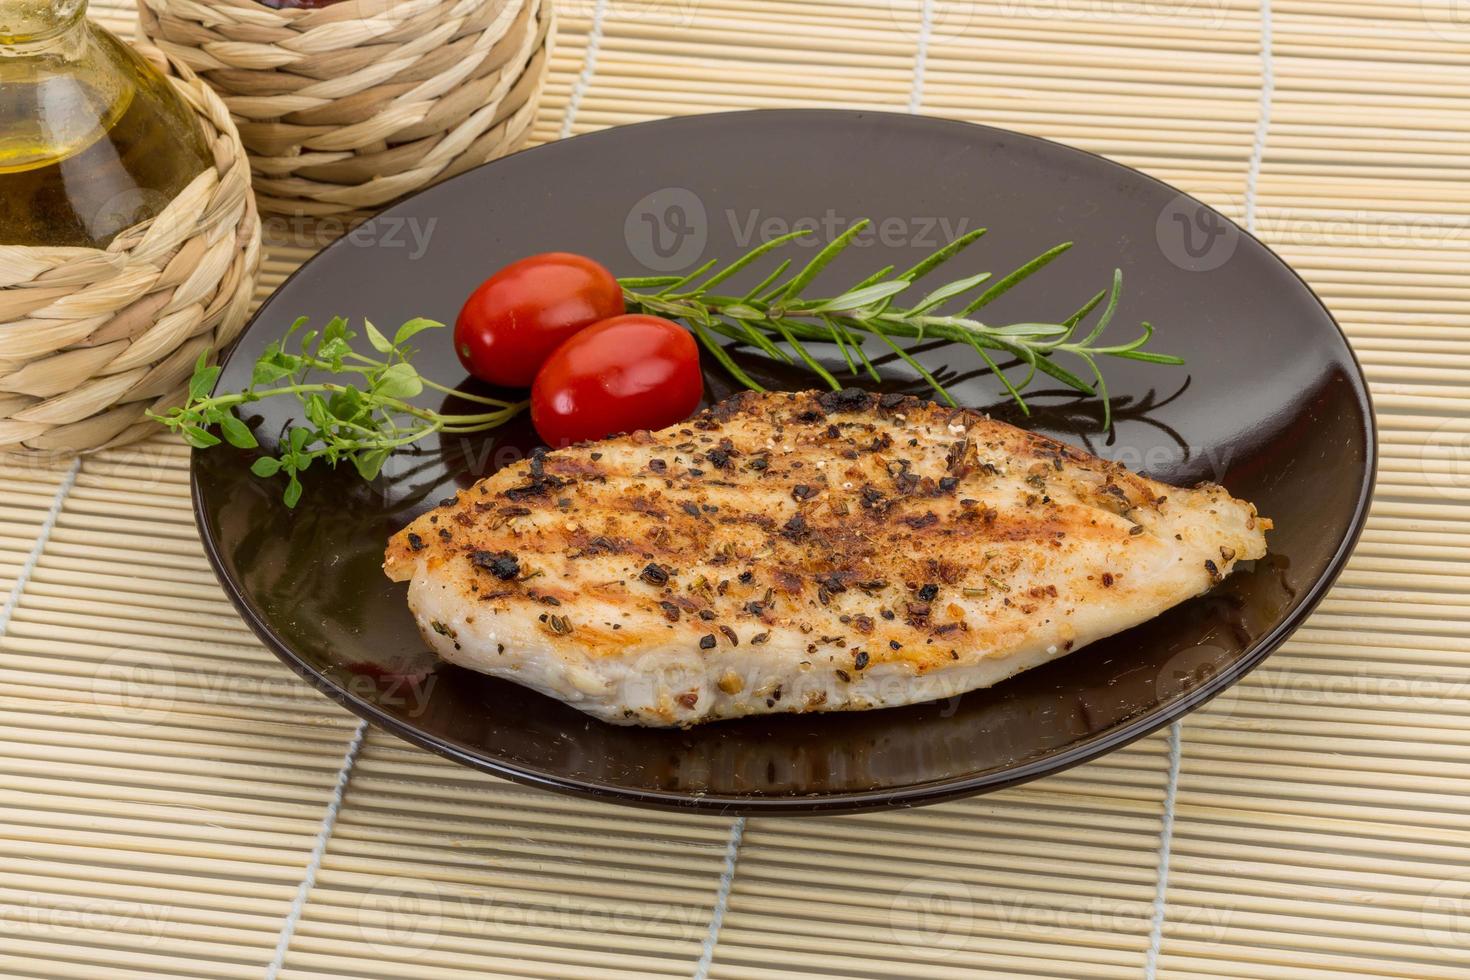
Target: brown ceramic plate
(1271,404)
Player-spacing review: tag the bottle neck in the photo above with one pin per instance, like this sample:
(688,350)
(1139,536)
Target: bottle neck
(25,24)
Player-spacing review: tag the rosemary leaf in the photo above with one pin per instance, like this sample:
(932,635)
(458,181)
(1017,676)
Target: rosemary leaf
(820,261)
(646,282)
(762,341)
(750,257)
(878,276)
(995,370)
(1108,311)
(1008,282)
(857,298)
(841,344)
(942,256)
(721,355)
(765,283)
(688,278)
(947,292)
(939,389)
(801,352)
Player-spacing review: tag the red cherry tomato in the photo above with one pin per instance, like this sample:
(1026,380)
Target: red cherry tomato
(630,372)
(517,317)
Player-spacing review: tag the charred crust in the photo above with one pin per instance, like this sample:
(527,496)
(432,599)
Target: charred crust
(846,400)
(893,399)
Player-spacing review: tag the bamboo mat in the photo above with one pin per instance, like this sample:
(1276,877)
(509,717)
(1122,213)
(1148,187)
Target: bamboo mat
(173,803)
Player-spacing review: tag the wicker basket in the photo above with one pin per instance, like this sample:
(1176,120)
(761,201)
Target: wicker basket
(346,108)
(92,338)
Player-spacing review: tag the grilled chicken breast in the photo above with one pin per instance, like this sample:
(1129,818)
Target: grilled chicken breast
(804,552)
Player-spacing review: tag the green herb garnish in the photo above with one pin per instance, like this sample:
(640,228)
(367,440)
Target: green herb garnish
(775,312)
(360,413)
(355,407)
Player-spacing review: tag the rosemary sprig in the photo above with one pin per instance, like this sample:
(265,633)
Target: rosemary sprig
(354,406)
(775,312)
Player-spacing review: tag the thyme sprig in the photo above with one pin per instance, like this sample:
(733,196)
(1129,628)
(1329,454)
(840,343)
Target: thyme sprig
(776,312)
(354,406)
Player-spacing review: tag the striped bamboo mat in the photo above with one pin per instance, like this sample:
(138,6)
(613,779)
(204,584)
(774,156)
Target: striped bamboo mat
(175,804)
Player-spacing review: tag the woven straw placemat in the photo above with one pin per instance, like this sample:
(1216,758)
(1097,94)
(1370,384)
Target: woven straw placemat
(173,803)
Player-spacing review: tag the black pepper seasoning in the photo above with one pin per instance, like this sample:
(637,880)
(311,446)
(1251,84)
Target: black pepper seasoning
(502,564)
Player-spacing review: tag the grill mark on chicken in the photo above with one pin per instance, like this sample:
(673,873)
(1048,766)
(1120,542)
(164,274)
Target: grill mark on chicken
(804,532)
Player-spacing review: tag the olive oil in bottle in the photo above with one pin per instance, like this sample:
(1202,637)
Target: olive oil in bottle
(93,138)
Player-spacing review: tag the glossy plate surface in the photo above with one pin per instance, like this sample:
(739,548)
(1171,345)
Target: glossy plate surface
(1271,404)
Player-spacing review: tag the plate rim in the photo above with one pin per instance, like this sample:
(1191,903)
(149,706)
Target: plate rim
(847,801)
